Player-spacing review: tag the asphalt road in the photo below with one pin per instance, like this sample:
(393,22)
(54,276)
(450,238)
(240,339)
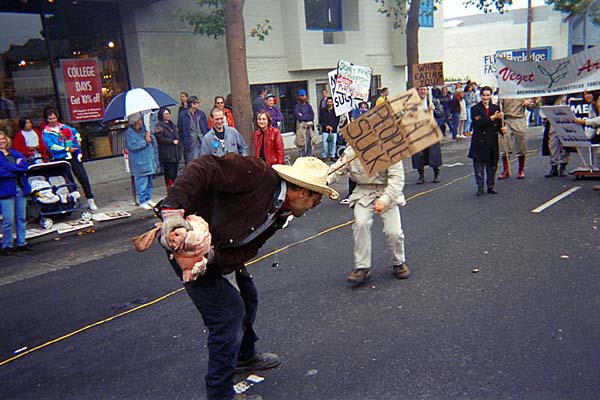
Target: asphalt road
(525,326)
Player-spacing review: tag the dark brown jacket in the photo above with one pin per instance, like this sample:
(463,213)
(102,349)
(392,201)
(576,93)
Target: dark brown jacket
(234,194)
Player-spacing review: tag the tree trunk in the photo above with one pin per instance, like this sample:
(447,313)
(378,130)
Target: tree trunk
(412,39)
(235,38)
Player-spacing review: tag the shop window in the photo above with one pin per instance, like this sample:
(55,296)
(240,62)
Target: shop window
(26,85)
(285,99)
(323,14)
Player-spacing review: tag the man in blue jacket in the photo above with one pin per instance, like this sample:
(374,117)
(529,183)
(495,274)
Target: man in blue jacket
(305,130)
(222,139)
(194,125)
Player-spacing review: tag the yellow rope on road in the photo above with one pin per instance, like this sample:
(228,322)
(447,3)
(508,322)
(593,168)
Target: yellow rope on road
(159,299)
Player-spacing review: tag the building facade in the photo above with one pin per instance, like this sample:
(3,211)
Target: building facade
(471,43)
(133,43)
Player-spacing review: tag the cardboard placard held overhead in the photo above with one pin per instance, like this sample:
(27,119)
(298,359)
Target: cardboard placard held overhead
(428,74)
(391,132)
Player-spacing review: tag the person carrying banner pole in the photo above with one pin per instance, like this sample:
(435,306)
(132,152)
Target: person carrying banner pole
(515,120)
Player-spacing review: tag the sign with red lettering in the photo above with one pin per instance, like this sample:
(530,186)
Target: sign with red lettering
(521,79)
(83,89)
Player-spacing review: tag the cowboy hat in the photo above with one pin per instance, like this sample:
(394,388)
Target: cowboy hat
(309,173)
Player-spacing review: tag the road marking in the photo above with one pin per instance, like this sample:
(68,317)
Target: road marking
(555,199)
(458,164)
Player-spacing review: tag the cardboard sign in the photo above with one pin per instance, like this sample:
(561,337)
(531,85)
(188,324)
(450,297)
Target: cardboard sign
(391,132)
(569,133)
(83,89)
(353,80)
(428,74)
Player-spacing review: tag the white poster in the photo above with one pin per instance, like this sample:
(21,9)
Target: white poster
(353,80)
(342,103)
(579,72)
(569,133)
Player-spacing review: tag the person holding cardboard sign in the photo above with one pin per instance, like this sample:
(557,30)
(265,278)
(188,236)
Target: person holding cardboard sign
(432,155)
(381,194)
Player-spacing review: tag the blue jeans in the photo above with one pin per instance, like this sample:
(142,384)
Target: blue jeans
(14,208)
(454,126)
(468,121)
(229,316)
(143,188)
(329,147)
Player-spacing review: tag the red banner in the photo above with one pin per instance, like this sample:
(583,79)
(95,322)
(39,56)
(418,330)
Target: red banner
(83,89)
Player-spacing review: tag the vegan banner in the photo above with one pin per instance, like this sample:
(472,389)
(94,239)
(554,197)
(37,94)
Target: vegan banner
(572,74)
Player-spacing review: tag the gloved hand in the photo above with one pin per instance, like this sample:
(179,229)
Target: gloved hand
(171,220)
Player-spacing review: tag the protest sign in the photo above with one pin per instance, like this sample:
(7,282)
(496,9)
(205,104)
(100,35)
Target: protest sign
(353,80)
(428,74)
(572,74)
(83,89)
(342,103)
(569,133)
(391,132)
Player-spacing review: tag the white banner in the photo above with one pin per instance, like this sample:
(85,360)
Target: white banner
(353,80)
(342,103)
(572,74)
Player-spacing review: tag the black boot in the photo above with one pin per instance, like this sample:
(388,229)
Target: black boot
(436,175)
(421,179)
(553,172)
(561,169)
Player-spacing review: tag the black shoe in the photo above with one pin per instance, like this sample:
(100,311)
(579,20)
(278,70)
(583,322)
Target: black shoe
(260,362)
(333,159)
(480,192)
(491,191)
(7,251)
(553,172)
(25,247)
(561,170)
(421,180)
(436,179)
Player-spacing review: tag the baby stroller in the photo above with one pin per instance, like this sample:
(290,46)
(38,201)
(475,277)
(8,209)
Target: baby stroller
(53,192)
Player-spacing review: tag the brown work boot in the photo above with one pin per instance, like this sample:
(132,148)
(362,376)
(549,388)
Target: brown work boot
(401,271)
(359,275)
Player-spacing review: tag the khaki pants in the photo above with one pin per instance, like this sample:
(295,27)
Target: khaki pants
(392,227)
(517,131)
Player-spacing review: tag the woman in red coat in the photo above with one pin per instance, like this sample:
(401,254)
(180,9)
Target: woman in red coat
(268,143)
(29,142)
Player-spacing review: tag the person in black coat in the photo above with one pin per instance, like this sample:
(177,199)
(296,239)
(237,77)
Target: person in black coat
(167,138)
(487,123)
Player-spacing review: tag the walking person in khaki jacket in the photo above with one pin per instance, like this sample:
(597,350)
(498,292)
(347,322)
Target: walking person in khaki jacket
(380,194)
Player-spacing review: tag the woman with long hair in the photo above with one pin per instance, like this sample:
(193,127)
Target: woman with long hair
(268,143)
(13,191)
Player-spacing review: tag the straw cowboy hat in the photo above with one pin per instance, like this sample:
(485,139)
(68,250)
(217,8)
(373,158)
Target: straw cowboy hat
(309,173)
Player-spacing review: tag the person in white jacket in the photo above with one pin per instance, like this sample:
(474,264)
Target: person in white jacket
(380,194)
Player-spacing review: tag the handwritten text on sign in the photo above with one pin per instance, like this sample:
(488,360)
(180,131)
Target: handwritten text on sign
(428,74)
(83,89)
(391,132)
